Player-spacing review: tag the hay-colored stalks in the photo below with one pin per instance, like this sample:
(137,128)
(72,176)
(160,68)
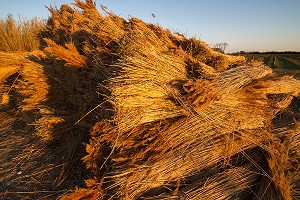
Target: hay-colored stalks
(174,120)
(187,121)
(68,54)
(6,71)
(19,35)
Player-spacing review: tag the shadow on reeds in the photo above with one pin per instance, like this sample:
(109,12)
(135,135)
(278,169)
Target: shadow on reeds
(72,107)
(163,116)
(35,162)
(52,108)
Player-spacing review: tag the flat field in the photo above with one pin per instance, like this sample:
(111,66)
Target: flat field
(281,63)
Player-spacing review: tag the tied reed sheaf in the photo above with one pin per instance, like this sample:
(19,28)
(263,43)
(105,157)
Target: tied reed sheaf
(169,118)
(188,122)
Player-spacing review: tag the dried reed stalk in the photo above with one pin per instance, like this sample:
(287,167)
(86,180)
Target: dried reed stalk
(69,54)
(179,110)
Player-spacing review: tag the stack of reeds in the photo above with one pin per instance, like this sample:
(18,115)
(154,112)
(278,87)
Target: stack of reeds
(183,121)
(188,122)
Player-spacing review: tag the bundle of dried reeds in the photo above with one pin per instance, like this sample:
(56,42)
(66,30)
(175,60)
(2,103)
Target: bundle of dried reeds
(184,122)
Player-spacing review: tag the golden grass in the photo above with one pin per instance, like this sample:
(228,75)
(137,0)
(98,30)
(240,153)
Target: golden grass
(172,119)
(229,184)
(69,54)
(5,72)
(22,35)
(180,110)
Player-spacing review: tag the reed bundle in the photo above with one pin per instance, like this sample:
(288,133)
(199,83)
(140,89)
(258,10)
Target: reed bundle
(174,120)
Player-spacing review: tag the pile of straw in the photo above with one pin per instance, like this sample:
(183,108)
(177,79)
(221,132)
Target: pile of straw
(187,122)
(175,119)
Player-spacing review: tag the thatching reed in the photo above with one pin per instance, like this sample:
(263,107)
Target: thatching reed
(6,72)
(171,118)
(188,122)
(185,119)
(21,35)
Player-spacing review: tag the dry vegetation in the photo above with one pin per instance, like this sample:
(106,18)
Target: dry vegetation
(162,116)
(22,35)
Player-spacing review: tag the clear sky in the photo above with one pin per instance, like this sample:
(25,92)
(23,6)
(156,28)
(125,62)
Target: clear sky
(250,25)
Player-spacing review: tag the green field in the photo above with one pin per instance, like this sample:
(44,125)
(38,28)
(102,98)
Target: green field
(281,63)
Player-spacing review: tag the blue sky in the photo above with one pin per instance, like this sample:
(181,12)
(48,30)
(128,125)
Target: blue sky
(251,25)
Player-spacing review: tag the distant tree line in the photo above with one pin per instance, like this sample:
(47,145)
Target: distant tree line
(268,52)
(220,47)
